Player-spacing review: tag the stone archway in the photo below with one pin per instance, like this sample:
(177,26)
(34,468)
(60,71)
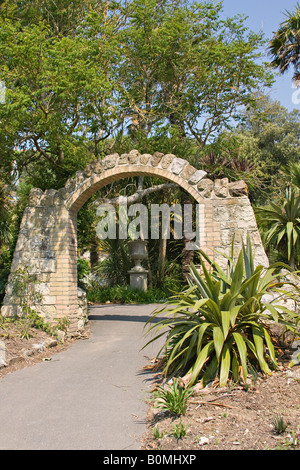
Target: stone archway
(47,241)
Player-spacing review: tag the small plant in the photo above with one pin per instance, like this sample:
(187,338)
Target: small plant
(253,372)
(293,439)
(62,324)
(33,320)
(279,424)
(179,430)
(173,400)
(156,433)
(25,289)
(4,327)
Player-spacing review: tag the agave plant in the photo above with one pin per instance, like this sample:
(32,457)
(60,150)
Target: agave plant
(220,322)
(284,224)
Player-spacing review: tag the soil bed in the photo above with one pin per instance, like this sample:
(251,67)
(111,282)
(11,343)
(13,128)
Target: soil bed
(234,418)
(17,352)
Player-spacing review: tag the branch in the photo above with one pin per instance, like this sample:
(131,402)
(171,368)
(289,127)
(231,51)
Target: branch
(44,154)
(138,195)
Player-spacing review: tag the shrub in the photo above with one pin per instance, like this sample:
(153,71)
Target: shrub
(174,399)
(126,295)
(221,321)
(83,270)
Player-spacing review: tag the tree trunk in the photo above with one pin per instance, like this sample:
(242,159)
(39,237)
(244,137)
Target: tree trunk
(94,254)
(162,258)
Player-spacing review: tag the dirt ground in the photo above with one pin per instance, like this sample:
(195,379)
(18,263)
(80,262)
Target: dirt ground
(234,418)
(231,418)
(237,417)
(17,352)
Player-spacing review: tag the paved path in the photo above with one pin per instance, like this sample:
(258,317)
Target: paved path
(90,396)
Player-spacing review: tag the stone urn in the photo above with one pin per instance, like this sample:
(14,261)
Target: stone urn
(138,274)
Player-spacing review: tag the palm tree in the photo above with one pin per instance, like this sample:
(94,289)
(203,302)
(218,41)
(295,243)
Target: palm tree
(284,225)
(284,47)
(293,174)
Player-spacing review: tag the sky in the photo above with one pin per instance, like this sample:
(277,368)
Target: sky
(266,15)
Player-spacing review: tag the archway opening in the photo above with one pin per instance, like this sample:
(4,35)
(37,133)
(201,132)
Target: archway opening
(47,241)
(155,210)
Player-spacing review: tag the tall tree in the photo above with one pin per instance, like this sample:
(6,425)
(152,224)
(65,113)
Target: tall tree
(284,47)
(57,61)
(186,72)
(269,138)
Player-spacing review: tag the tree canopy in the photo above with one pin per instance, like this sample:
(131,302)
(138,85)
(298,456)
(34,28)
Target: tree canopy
(84,78)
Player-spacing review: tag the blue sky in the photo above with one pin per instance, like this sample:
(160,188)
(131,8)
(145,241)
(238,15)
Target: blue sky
(266,15)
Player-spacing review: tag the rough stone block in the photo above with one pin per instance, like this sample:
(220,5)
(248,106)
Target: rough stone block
(133,157)
(238,189)
(70,185)
(8,310)
(156,158)
(48,266)
(178,165)
(49,299)
(110,161)
(123,159)
(79,177)
(188,171)
(47,198)
(99,166)
(145,158)
(167,160)
(43,288)
(205,187)
(221,188)
(35,196)
(89,170)
(197,176)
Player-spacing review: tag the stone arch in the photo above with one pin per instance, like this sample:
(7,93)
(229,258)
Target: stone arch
(47,241)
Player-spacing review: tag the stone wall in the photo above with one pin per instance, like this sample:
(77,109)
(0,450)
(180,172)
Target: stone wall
(47,241)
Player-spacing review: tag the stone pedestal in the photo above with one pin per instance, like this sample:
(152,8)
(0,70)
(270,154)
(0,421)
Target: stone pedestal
(138,275)
(138,280)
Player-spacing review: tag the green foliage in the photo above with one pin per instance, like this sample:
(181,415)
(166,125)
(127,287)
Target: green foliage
(284,47)
(293,174)
(59,95)
(115,267)
(283,222)
(173,399)
(33,320)
(25,288)
(268,139)
(156,433)
(84,78)
(220,322)
(179,430)
(83,269)
(61,324)
(5,263)
(126,295)
(170,53)
(279,424)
